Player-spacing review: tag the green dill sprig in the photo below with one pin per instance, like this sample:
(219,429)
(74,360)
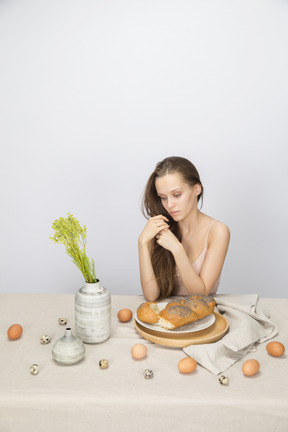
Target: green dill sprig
(69,232)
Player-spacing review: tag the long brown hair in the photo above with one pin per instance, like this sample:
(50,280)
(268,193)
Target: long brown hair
(162,260)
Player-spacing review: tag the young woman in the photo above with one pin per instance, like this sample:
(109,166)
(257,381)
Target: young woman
(181,249)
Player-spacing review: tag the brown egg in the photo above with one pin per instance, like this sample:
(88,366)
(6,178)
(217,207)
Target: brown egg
(138,351)
(187,365)
(124,315)
(250,367)
(15,331)
(275,349)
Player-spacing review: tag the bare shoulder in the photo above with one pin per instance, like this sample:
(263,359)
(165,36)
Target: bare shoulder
(219,231)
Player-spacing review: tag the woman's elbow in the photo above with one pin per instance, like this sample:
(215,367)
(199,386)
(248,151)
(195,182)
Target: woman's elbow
(151,297)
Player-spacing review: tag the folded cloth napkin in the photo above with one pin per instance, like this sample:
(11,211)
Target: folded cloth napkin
(248,324)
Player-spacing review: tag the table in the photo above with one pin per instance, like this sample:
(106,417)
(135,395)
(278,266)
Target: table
(83,397)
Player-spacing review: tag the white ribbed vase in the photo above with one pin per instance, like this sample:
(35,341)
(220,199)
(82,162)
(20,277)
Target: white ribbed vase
(68,349)
(93,313)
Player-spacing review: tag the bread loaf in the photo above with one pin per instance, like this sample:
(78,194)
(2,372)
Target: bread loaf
(178,312)
(188,301)
(148,312)
(176,316)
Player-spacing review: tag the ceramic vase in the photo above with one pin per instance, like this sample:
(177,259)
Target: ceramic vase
(93,313)
(68,349)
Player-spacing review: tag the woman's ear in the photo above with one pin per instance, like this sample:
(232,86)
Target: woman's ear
(198,189)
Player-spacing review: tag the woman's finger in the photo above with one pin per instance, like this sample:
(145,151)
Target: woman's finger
(163,224)
(160,217)
(160,231)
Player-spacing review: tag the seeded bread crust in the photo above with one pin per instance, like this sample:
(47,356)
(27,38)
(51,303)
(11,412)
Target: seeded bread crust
(176,316)
(190,301)
(178,312)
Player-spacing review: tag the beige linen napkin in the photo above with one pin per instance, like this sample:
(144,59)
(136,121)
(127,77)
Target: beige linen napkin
(248,324)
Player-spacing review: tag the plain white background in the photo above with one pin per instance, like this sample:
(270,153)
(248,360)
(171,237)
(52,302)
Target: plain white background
(95,93)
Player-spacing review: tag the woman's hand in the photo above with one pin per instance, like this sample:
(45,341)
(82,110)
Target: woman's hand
(168,240)
(154,226)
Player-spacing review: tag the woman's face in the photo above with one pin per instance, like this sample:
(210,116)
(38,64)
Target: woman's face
(177,197)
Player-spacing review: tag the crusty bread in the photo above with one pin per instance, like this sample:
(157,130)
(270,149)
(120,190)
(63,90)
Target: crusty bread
(148,312)
(178,312)
(199,306)
(176,316)
(190,301)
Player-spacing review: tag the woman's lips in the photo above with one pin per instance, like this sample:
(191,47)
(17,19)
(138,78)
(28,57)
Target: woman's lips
(173,213)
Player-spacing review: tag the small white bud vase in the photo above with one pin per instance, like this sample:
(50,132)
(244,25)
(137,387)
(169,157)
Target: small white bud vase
(68,349)
(93,313)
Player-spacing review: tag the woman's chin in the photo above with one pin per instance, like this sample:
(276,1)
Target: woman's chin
(175,216)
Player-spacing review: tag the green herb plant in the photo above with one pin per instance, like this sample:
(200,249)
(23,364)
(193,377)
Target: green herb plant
(69,232)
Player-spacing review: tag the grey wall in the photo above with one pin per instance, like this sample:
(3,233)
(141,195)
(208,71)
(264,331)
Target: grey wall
(94,93)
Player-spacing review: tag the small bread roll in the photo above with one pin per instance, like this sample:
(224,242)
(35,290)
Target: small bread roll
(148,312)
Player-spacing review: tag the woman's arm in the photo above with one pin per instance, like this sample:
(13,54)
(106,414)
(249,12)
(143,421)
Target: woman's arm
(219,237)
(218,242)
(147,277)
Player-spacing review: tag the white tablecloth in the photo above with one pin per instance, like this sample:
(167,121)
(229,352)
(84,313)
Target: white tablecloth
(83,397)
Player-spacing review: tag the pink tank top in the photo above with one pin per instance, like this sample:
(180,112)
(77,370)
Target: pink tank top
(197,266)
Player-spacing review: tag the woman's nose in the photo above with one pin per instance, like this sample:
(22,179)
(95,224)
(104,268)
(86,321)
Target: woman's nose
(170,203)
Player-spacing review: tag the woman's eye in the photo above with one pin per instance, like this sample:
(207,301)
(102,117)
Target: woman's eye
(177,195)
(162,198)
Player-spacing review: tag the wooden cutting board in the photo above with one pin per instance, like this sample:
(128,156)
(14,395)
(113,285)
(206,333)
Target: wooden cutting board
(211,334)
